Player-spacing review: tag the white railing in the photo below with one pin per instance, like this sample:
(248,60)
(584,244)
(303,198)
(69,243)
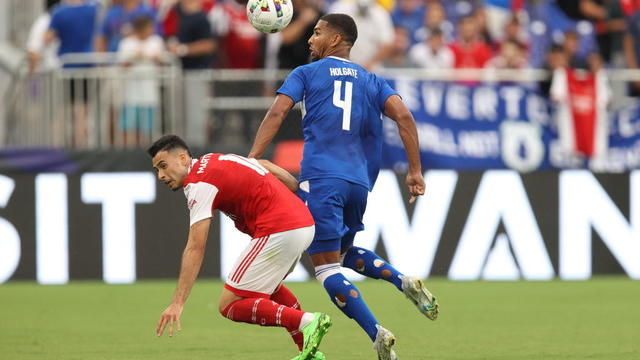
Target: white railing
(87,107)
(103,106)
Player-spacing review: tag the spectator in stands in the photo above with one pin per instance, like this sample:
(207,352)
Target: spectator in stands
(241,46)
(117,23)
(608,18)
(511,55)
(480,17)
(512,32)
(168,15)
(435,18)
(294,48)
(73,24)
(194,42)
(555,59)
(570,45)
(500,13)
(409,15)
(469,50)
(139,53)
(398,57)
(375,31)
(40,57)
(612,30)
(632,48)
(432,53)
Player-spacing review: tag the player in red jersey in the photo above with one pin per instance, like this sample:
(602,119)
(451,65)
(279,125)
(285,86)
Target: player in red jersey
(249,192)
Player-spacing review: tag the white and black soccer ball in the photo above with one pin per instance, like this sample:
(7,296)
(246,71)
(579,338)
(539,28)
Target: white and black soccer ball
(269,16)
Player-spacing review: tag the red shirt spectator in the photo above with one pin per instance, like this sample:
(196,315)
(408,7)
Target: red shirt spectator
(474,55)
(240,40)
(469,50)
(170,22)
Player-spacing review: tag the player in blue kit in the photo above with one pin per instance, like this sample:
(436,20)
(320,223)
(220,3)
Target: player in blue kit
(342,105)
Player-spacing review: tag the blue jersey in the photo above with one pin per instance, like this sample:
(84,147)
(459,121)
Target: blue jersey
(342,105)
(75,26)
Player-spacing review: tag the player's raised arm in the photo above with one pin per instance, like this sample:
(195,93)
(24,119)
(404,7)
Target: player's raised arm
(395,109)
(271,124)
(191,262)
(282,174)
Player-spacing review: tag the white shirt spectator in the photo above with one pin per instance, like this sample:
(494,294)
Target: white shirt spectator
(423,56)
(35,44)
(375,28)
(141,88)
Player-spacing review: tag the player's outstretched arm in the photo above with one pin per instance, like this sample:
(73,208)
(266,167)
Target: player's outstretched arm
(270,125)
(282,174)
(395,109)
(191,262)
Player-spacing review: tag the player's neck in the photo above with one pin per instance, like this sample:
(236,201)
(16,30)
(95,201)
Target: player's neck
(341,53)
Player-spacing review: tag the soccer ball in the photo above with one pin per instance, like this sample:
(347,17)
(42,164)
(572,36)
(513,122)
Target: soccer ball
(269,16)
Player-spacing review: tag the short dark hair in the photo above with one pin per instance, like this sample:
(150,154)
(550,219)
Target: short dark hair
(343,24)
(141,22)
(168,143)
(436,31)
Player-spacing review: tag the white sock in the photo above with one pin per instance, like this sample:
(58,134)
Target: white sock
(306,319)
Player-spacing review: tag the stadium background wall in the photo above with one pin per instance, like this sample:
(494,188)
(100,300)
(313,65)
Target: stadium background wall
(494,225)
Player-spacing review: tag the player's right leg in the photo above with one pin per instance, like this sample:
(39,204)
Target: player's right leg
(326,199)
(285,297)
(257,275)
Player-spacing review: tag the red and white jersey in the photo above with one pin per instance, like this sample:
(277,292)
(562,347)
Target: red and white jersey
(244,190)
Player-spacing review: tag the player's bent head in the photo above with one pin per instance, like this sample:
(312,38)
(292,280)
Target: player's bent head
(344,25)
(168,143)
(171,158)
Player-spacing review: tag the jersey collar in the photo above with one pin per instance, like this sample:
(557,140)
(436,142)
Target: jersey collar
(339,58)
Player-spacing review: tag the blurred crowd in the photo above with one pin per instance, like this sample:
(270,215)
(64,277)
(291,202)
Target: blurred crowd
(505,34)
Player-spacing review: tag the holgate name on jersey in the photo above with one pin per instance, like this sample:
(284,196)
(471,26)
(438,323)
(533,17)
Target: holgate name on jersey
(343,72)
(203,164)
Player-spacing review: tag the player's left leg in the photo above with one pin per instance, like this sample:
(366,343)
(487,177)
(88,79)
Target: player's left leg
(286,297)
(369,264)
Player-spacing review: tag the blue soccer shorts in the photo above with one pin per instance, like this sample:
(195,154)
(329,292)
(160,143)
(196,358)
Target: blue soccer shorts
(337,207)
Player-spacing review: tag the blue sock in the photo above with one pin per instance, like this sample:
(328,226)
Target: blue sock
(339,288)
(367,263)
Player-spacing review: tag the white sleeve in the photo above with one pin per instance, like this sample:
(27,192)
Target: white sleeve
(155,47)
(200,198)
(127,49)
(35,41)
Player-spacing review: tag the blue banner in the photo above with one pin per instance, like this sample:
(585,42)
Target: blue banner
(499,126)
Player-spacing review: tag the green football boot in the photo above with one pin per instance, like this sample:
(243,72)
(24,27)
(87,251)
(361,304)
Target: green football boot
(317,356)
(313,333)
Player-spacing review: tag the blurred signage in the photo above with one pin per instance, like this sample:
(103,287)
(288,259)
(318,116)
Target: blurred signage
(493,225)
(499,126)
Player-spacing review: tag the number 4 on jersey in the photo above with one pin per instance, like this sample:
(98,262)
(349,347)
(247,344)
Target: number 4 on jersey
(345,104)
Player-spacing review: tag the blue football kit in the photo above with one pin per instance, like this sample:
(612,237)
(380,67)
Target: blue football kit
(342,105)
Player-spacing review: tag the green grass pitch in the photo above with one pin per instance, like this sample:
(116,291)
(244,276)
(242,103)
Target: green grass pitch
(596,319)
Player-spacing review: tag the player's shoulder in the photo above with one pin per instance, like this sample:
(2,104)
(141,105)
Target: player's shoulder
(308,68)
(201,166)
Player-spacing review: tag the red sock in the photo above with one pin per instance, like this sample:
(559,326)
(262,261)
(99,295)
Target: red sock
(263,312)
(285,297)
